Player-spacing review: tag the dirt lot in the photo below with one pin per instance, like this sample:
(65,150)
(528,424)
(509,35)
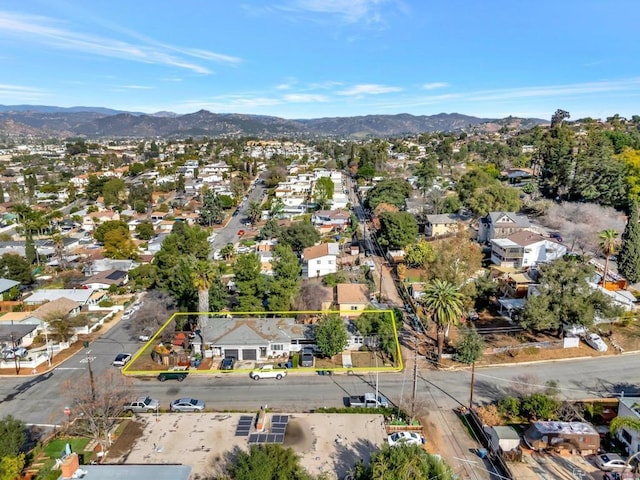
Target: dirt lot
(329,443)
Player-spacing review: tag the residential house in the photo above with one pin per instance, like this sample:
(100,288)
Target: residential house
(91,220)
(104,280)
(253,339)
(70,469)
(525,249)
(83,296)
(355,339)
(501,225)
(337,219)
(5,286)
(266,262)
(352,298)
(629,407)
(17,335)
(439,225)
(320,260)
(517,175)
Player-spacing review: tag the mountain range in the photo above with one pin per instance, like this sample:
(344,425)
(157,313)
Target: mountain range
(97,122)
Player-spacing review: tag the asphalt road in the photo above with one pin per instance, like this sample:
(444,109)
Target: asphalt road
(229,233)
(41,400)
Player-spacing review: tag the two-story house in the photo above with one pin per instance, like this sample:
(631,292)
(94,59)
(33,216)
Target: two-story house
(320,260)
(501,225)
(439,225)
(525,249)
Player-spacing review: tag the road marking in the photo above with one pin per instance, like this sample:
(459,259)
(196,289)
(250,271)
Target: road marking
(70,368)
(87,359)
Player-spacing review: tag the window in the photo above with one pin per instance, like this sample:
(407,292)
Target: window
(626,436)
(330,262)
(354,307)
(277,347)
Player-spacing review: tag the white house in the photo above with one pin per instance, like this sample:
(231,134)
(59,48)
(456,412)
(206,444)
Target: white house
(629,407)
(320,260)
(525,249)
(501,225)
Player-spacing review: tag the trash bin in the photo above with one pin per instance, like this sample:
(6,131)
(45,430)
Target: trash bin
(482,453)
(289,364)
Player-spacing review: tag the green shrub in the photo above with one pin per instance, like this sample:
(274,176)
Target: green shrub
(539,406)
(509,407)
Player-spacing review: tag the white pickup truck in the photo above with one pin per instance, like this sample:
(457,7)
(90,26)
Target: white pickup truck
(267,371)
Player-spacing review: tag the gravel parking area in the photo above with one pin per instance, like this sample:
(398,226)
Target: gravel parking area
(329,443)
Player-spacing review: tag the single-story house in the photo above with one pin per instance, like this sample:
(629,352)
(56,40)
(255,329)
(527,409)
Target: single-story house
(337,219)
(255,339)
(59,308)
(83,296)
(352,298)
(6,285)
(103,280)
(17,334)
(71,469)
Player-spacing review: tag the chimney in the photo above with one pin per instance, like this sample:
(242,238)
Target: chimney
(70,465)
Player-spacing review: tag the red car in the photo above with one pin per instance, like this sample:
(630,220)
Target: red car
(240,233)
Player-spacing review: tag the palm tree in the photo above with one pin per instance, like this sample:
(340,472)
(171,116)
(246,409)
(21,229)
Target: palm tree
(227,251)
(443,302)
(608,242)
(203,274)
(254,212)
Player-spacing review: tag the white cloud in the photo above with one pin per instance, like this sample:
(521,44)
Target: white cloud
(305,98)
(20,93)
(346,11)
(434,85)
(43,30)
(137,87)
(369,89)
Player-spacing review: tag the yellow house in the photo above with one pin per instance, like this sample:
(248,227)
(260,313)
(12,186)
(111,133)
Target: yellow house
(352,298)
(438,225)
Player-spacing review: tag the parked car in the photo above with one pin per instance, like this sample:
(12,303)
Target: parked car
(187,405)
(121,359)
(611,462)
(241,232)
(268,371)
(10,353)
(144,338)
(142,405)
(306,358)
(174,373)
(20,352)
(595,341)
(405,438)
(227,363)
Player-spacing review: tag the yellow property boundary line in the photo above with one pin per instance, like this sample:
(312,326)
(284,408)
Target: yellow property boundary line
(126,371)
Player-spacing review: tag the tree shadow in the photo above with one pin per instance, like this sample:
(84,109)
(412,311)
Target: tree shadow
(348,454)
(483,388)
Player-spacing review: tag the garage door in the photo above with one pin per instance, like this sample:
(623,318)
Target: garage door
(228,352)
(249,354)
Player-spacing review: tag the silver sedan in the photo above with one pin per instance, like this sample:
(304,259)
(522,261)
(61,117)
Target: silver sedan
(187,405)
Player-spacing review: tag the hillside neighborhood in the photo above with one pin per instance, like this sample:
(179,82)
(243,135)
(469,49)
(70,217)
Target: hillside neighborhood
(282,260)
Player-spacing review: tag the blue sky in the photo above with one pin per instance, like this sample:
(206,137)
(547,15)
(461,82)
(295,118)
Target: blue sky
(321,58)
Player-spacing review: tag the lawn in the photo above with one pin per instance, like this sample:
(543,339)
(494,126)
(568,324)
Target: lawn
(54,448)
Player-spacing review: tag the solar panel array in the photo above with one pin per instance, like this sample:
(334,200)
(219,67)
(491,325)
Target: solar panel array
(244,426)
(278,427)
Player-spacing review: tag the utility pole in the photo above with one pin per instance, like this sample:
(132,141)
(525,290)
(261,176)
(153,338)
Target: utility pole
(15,356)
(415,378)
(91,383)
(473,379)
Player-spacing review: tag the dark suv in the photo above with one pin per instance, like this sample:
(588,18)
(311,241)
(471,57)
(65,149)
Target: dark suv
(227,363)
(175,373)
(306,358)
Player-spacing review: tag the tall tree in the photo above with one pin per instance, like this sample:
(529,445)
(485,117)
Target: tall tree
(331,335)
(300,235)
(427,172)
(267,462)
(12,436)
(608,242)
(211,211)
(284,286)
(397,229)
(203,274)
(629,256)
(250,283)
(254,212)
(443,303)
(323,192)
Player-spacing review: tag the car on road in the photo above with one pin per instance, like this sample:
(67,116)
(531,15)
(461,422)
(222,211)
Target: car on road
(227,363)
(187,405)
(174,373)
(609,462)
(595,341)
(268,371)
(121,359)
(142,405)
(144,338)
(241,232)
(405,438)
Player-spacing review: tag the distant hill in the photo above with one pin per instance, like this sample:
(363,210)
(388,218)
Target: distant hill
(94,122)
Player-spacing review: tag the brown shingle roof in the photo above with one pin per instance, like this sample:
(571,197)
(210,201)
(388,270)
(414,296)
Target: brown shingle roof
(525,237)
(316,251)
(60,306)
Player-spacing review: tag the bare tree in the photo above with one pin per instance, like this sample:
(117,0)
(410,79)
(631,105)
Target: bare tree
(158,306)
(97,404)
(580,223)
